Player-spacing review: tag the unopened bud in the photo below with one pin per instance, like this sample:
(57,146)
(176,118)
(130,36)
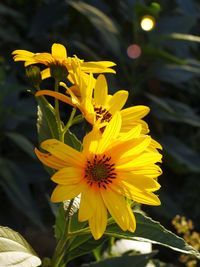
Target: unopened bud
(34,75)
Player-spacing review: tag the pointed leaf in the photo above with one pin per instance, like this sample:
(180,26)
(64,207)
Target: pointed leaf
(15,251)
(46,122)
(101,22)
(72,140)
(153,232)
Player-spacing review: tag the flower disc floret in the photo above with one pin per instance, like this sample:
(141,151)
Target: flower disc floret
(100,171)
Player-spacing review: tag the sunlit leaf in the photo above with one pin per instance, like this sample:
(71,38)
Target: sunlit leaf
(15,251)
(46,122)
(153,232)
(184,37)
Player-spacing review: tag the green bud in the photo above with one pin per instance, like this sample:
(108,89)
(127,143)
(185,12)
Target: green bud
(34,76)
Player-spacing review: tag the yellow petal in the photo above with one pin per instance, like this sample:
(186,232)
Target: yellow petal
(91,141)
(44,58)
(68,176)
(58,51)
(119,209)
(86,91)
(138,182)
(125,151)
(155,144)
(127,125)
(143,197)
(87,204)
(140,161)
(50,160)
(100,91)
(45,73)
(87,110)
(57,95)
(98,221)
(63,152)
(66,192)
(110,133)
(152,171)
(98,67)
(24,53)
(117,101)
(30,62)
(74,99)
(135,132)
(138,146)
(133,113)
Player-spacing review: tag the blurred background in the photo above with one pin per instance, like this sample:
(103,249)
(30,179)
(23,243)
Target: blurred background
(156,47)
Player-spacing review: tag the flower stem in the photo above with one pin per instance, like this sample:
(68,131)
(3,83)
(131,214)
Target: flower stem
(57,111)
(69,123)
(58,259)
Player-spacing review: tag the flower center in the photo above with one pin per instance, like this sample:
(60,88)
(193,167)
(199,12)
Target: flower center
(102,114)
(100,171)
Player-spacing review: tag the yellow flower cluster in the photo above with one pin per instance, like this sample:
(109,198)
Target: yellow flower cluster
(118,161)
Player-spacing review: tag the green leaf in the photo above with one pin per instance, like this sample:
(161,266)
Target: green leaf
(72,140)
(14,183)
(125,261)
(176,73)
(101,22)
(184,158)
(172,110)
(157,263)
(184,37)
(15,251)
(82,245)
(22,142)
(46,122)
(60,221)
(153,232)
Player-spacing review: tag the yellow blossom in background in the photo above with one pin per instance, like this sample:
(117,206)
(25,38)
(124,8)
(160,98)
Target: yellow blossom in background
(108,171)
(91,97)
(59,58)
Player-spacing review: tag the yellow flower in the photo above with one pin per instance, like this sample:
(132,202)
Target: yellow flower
(58,57)
(107,172)
(93,100)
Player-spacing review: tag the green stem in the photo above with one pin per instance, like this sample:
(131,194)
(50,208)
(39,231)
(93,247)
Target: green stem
(83,231)
(69,123)
(57,111)
(61,248)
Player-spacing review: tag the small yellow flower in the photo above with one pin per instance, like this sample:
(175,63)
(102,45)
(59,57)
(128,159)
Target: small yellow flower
(58,57)
(92,99)
(108,171)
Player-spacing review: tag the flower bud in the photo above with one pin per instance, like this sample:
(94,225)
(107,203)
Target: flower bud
(34,76)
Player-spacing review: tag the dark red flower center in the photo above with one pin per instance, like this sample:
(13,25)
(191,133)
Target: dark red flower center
(100,171)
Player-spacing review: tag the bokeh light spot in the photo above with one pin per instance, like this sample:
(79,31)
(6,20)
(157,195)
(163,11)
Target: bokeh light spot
(134,51)
(147,23)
